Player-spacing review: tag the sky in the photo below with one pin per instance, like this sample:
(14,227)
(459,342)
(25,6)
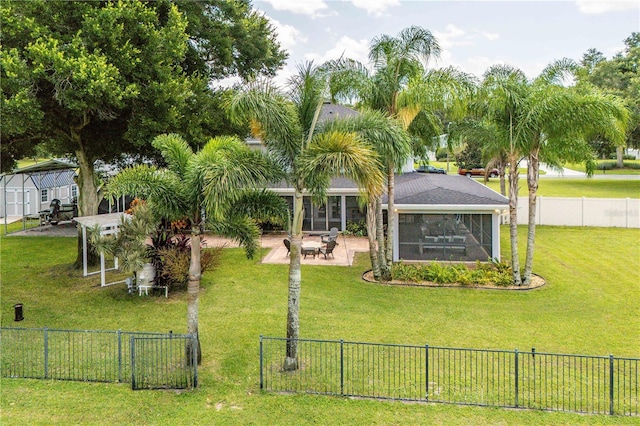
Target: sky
(473,35)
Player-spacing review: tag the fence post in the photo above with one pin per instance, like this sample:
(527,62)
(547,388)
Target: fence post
(611,381)
(46,353)
(261,377)
(341,367)
(119,334)
(426,369)
(517,374)
(133,365)
(195,359)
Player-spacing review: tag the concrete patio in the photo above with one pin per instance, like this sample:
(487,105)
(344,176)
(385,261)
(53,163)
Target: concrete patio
(277,252)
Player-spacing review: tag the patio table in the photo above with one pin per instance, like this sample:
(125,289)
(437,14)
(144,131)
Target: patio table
(311,248)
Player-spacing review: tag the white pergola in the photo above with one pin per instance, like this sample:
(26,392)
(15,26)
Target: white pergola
(109,224)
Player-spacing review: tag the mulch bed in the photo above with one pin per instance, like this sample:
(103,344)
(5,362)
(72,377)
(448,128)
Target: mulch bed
(536,282)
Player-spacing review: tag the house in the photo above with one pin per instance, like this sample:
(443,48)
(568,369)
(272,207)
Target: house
(28,190)
(436,217)
(441,217)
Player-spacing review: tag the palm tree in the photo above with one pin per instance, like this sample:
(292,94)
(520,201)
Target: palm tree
(543,120)
(396,60)
(554,126)
(501,94)
(309,156)
(401,88)
(216,181)
(387,137)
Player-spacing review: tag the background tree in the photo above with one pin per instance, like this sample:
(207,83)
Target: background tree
(217,180)
(287,123)
(99,80)
(618,76)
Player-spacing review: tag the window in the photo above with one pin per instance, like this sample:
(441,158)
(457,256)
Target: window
(44,195)
(74,191)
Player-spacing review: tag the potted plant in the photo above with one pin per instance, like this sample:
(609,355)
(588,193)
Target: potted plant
(129,243)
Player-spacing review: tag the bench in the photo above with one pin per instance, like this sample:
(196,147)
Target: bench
(452,242)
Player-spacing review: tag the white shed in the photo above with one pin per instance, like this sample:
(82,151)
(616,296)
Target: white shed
(28,190)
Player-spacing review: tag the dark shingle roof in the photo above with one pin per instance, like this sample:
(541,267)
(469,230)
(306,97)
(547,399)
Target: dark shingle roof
(331,111)
(430,189)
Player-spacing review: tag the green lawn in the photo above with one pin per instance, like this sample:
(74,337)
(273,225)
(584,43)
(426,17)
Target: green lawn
(566,187)
(631,167)
(590,305)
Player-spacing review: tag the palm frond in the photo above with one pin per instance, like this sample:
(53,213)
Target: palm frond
(386,135)
(162,189)
(224,167)
(276,115)
(241,229)
(339,153)
(175,151)
(262,205)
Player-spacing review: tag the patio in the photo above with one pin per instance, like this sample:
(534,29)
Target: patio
(342,254)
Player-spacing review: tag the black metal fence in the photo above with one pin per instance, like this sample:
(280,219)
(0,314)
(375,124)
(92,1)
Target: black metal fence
(146,360)
(534,380)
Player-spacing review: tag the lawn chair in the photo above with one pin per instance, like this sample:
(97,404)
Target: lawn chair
(328,249)
(54,212)
(331,236)
(287,244)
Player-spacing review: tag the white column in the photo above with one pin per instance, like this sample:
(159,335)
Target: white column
(495,236)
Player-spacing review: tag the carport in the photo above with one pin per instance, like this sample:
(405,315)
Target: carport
(50,174)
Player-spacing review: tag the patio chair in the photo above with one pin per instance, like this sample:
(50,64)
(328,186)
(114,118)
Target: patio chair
(287,244)
(331,236)
(328,249)
(54,212)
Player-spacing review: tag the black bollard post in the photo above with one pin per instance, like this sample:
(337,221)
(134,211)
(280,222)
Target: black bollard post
(18,312)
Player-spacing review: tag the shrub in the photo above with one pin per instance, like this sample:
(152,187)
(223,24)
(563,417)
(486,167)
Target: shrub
(176,261)
(494,272)
(441,154)
(358,229)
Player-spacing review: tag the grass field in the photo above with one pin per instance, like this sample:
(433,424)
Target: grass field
(590,305)
(566,187)
(631,167)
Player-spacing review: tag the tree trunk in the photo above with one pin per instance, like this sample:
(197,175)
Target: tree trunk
(390,211)
(382,258)
(371,235)
(513,219)
(295,279)
(501,172)
(87,195)
(533,173)
(620,157)
(193,288)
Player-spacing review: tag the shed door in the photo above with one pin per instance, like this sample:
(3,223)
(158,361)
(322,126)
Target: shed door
(14,202)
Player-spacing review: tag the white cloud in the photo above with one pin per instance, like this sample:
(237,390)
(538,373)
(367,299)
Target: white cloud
(375,7)
(301,7)
(489,36)
(345,47)
(288,35)
(452,36)
(596,7)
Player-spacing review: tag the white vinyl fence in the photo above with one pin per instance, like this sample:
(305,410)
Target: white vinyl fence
(604,212)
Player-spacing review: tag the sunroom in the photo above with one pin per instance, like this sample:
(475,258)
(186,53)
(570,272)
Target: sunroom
(446,218)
